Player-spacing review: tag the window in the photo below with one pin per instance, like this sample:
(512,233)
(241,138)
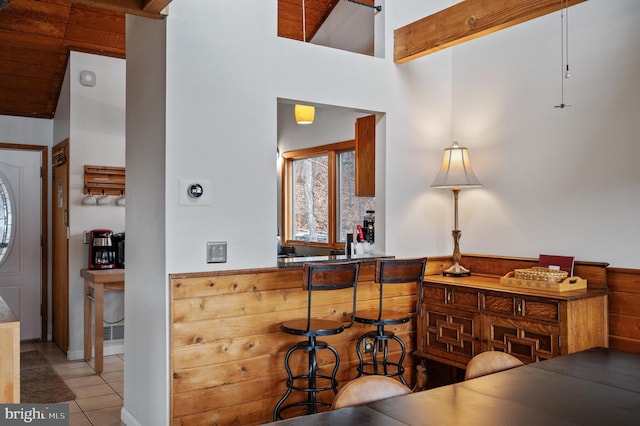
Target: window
(6,219)
(320,206)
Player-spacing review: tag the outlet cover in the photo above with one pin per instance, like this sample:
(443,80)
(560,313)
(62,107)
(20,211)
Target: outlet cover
(216,251)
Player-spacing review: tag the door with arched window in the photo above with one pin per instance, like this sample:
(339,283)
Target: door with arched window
(20,237)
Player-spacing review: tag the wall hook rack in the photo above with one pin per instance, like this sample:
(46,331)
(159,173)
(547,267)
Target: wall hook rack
(104,180)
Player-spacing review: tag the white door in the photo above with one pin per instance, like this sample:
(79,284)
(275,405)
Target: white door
(20,267)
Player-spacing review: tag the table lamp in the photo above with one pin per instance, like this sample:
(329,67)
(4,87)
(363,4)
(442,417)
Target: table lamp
(456,173)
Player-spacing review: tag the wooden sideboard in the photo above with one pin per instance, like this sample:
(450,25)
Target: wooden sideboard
(463,316)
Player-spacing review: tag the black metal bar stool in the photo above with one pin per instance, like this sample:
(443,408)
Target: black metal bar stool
(388,271)
(317,276)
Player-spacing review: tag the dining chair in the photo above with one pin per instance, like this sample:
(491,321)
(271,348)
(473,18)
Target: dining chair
(490,362)
(388,272)
(368,389)
(317,277)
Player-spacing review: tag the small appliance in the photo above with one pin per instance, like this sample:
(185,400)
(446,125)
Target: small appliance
(102,252)
(118,243)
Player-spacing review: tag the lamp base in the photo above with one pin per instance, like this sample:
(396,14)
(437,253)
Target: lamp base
(457,271)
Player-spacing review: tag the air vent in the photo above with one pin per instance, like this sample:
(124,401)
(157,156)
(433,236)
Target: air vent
(113,332)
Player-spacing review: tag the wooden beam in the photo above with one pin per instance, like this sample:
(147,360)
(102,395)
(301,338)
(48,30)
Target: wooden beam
(155,6)
(465,21)
(145,8)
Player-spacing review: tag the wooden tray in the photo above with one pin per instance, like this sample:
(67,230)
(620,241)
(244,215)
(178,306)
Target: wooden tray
(569,283)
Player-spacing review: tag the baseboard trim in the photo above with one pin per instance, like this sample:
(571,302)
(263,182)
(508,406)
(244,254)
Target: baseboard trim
(128,419)
(112,349)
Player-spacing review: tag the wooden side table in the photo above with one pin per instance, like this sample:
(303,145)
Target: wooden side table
(96,282)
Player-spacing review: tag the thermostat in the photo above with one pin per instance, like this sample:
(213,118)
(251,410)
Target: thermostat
(194,192)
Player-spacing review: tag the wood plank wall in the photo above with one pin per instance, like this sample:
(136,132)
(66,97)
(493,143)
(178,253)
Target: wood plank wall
(624,309)
(227,350)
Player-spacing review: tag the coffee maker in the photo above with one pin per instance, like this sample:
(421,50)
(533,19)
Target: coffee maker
(102,252)
(118,244)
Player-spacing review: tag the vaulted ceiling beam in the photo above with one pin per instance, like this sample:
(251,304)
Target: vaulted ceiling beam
(146,8)
(465,21)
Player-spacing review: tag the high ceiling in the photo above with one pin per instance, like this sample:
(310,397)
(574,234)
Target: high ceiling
(35,40)
(37,35)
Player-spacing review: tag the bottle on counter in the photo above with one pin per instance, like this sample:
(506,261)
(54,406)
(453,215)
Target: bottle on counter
(369,225)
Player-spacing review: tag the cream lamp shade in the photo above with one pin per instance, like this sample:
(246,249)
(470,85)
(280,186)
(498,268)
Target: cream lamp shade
(456,169)
(304,113)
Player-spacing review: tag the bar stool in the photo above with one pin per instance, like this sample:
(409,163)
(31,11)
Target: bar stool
(317,276)
(388,271)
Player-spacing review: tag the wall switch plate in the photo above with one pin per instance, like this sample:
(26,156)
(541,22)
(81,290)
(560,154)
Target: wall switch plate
(216,251)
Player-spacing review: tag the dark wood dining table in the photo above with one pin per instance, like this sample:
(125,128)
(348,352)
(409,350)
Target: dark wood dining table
(598,386)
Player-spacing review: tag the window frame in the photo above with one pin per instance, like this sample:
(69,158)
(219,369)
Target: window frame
(332,151)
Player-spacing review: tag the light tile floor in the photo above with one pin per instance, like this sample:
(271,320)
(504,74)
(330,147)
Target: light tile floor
(99,397)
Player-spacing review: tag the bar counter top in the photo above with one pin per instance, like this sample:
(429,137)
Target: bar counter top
(289,262)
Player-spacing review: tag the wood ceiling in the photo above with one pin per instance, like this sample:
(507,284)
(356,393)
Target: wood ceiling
(290,17)
(37,35)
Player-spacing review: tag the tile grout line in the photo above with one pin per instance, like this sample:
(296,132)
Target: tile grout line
(47,348)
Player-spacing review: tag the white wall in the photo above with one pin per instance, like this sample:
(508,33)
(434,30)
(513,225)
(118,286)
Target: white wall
(25,131)
(62,118)
(349,27)
(146,342)
(561,181)
(222,118)
(493,94)
(96,137)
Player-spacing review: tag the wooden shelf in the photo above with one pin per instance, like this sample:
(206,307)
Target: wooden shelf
(104,180)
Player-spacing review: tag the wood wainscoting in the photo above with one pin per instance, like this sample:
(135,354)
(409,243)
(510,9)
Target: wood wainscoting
(624,309)
(227,350)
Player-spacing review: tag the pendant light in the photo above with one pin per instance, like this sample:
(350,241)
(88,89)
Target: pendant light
(564,50)
(304,113)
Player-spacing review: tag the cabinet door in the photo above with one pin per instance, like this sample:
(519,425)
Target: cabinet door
(468,299)
(530,341)
(366,156)
(448,334)
(531,308)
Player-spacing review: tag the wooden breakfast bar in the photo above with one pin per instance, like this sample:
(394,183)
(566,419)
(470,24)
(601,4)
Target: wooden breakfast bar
(227,349)
(593,387)
(96,282)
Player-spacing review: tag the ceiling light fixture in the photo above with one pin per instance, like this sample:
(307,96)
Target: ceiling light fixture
(304,113)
